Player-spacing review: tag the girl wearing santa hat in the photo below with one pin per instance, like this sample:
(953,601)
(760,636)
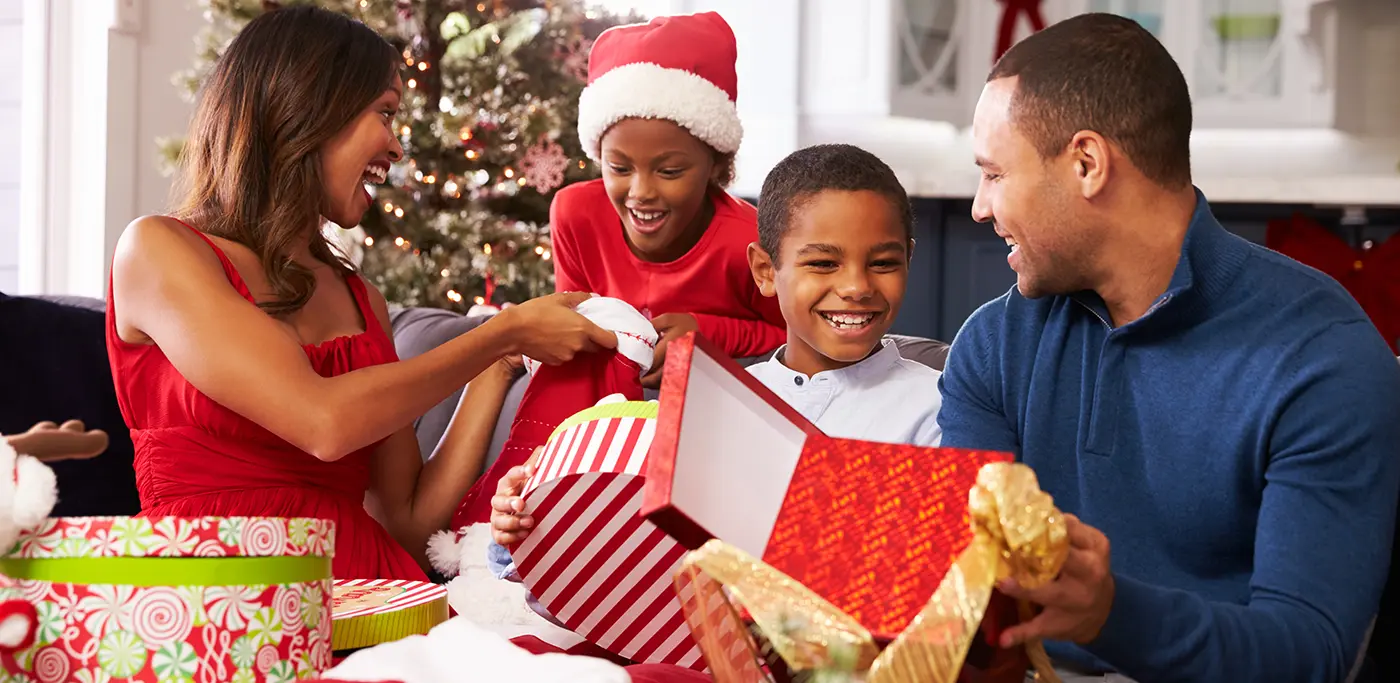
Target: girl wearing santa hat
(658,230)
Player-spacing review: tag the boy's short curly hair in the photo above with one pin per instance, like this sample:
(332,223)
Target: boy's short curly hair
(807,172)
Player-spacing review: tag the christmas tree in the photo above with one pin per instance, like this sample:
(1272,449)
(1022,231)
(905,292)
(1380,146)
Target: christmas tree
(488,130)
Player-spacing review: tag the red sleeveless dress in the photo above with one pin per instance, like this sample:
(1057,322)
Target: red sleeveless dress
(194,457)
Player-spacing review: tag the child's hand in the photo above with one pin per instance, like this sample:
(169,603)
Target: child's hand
(669,326)
(509,521)
(49,442)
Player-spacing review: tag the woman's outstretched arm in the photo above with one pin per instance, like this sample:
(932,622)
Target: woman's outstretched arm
(168,287)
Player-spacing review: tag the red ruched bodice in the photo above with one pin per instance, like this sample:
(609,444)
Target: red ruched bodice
(195,457)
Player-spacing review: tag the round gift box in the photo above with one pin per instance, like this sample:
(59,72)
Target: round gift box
(174,598)
(594,563)
(368,612)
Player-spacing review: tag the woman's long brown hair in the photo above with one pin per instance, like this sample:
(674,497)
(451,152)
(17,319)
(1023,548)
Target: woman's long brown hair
(250,169)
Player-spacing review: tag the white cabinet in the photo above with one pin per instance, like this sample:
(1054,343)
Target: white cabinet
(1249,63)
(921,59)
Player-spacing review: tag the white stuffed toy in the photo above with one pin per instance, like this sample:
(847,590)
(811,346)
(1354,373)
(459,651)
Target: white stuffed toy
(28,491)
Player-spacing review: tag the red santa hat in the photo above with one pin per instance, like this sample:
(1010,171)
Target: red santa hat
(677,68)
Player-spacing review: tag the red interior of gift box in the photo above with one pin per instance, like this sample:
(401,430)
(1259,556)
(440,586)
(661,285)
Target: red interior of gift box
(870,527)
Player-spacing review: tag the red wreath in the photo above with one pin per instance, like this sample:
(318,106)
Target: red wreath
(1009,14)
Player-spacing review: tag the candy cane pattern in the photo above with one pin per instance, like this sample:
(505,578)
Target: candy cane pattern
(592,561)
(162,632)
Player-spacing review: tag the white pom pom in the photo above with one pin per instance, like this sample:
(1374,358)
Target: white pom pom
(7,455)
(36,493)
(445,552)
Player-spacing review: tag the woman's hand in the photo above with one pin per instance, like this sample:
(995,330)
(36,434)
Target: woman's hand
(50,442)
(549,330)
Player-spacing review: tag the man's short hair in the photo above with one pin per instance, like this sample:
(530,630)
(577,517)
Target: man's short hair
(1104,73)
(809,171)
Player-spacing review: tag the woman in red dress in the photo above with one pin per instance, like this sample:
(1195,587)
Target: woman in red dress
(252,364)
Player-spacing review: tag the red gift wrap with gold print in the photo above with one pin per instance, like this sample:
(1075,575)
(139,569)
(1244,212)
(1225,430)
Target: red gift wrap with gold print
(815,528)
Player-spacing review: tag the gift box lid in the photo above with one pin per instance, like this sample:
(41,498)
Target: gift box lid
(870,527)
(175,537)
(367,612)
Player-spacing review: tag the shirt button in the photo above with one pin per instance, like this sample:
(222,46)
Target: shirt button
(797,381)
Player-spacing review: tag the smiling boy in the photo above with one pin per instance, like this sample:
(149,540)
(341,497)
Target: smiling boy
(835,239)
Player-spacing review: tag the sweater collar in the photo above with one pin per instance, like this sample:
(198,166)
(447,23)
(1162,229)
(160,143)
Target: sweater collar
(1210,260)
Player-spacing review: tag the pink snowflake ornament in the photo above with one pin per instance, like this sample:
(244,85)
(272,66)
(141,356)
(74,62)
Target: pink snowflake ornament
(544,164)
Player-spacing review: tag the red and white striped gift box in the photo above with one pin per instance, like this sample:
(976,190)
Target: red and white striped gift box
(592,561)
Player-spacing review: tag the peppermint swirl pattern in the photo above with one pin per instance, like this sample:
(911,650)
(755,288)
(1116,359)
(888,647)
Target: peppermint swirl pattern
(51,665)
(195,634)
(264,537)
(288,604)
(267,656)
(161,616)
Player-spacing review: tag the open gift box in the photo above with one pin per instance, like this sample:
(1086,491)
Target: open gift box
(173,598)
(875,558)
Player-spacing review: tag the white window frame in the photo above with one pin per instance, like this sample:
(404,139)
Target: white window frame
(77,129)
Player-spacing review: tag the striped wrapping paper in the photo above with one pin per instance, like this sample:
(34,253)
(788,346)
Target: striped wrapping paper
(592,561)
(367,612)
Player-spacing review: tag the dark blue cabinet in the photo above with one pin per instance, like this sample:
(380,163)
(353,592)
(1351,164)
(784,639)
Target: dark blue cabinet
(975,270)
(960,264)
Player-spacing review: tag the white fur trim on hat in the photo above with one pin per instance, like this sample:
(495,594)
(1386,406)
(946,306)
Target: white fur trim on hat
(644,90)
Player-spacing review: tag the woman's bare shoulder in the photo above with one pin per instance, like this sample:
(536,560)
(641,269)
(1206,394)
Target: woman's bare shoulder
(161,242)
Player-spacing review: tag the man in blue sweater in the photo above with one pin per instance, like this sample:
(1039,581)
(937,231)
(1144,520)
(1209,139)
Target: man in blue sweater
(1227,417)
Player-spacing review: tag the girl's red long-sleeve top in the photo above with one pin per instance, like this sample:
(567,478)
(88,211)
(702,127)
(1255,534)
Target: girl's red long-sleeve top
(711,281)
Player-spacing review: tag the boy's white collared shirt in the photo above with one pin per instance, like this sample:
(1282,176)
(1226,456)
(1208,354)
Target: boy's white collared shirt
(883,398)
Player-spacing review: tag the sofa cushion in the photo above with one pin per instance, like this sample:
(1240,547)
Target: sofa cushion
(415,331)
(53,367)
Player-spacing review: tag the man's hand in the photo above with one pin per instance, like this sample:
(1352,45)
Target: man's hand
(50,442)
(669,326)
(1076,604)
(510,523)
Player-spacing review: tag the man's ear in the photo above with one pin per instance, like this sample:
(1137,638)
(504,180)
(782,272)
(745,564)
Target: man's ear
(762,267)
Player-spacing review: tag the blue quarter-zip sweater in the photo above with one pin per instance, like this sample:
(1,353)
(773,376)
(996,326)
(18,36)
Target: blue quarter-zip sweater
(1239,445)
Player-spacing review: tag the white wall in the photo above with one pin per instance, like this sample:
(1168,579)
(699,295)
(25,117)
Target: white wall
(165,46)
(98,92)
(11,53)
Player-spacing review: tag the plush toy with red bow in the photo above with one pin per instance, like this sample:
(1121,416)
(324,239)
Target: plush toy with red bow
(28,491)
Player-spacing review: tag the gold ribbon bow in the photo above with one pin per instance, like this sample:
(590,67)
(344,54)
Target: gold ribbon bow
(1017,532)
